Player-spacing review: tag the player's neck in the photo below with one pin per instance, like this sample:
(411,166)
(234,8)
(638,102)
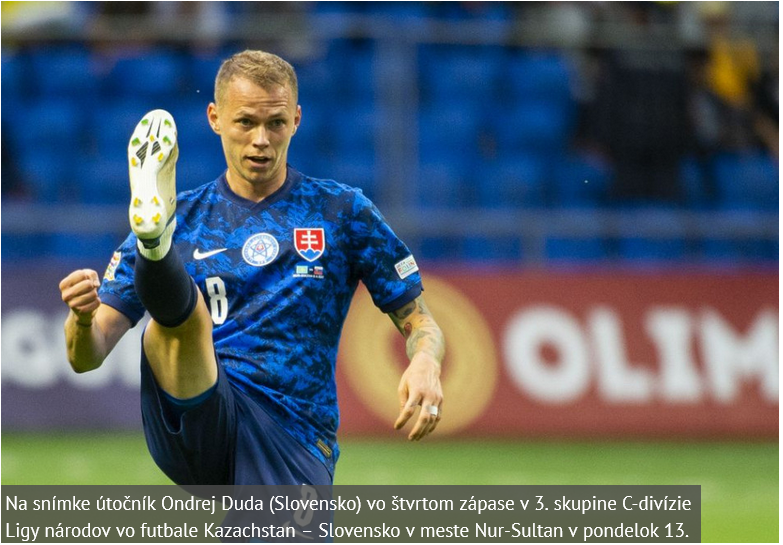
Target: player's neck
(254,192)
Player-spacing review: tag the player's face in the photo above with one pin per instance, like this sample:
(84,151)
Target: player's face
(255,126)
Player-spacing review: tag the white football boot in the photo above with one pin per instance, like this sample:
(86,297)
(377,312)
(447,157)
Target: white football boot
(152,160)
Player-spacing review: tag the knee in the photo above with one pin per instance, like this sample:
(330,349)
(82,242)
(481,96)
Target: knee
(198,323)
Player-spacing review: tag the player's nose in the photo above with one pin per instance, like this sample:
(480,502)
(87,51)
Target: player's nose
(260,138)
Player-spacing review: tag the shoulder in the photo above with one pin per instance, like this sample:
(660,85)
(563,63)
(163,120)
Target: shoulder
(198,193)
(327,190)
(192,199)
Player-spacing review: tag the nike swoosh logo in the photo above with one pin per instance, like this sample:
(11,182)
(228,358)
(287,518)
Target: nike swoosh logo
(203,255)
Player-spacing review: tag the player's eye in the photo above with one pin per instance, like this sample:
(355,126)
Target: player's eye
(245,122)
(278,123)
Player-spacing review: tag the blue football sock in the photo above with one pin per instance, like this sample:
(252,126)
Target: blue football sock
(165,288)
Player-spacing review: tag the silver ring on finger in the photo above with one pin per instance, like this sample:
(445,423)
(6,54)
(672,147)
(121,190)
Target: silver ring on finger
(433,410)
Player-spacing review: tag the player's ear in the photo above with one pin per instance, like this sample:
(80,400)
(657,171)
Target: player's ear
(297,117)
(212,117)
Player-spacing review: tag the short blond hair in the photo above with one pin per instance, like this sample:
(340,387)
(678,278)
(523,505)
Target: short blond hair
(262,68)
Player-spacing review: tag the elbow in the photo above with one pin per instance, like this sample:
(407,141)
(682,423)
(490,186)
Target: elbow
(80,367)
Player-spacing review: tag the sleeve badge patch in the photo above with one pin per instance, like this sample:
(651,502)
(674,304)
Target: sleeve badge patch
(406,267)
(113,264)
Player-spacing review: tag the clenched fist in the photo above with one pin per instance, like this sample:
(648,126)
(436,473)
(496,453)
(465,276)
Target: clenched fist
(79,290)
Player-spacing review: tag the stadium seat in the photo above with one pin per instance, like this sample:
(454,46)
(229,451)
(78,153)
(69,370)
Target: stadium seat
(356,171)
(445,249)
(193,131)
(111,124)
(352,65)
(103,180)
(645,250)
(695,190)
(511,182)
(491,251)
(537,75)
(459,73)
(48,175)
(15,77)
(65,72)
(22,246)
(464,11)
(95,247)
(50,123)
(356,131)
(667,245)
(747,182)
(410,12)
(579,181)
(152,73)
(449,133)
(537,125)
(318,84)
(199,166)
(314,134)
(441,184)
(740,252)
(728,250)
(201,73)
(561,250)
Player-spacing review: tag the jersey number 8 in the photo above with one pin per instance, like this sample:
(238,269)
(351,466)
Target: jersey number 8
(218,304)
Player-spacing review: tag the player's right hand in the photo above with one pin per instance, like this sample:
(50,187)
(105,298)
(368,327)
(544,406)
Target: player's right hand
(79,290)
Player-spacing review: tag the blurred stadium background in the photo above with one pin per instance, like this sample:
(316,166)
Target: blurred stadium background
(592,190)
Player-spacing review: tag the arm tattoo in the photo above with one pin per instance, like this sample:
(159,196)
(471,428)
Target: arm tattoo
(417,325)
(404,312)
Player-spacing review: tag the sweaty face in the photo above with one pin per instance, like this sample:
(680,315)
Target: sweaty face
(255,126)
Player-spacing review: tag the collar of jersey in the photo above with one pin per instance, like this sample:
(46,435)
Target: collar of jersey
(292,178)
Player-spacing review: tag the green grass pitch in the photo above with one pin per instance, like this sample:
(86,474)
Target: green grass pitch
(739,480)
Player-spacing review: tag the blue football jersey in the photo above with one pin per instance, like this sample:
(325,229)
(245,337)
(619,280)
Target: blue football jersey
(278,277)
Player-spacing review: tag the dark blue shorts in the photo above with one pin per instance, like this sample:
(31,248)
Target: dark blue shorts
(228,439)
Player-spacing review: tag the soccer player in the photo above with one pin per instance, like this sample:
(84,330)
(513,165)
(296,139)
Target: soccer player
(247,280)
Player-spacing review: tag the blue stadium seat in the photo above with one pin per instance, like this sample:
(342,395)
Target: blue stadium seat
(67,71)
(449,133)
(747,182)
(464,11)
(35,246)
(194,134)
(313,138)
(197,167)
(94,247)
(574,250)
(50,123)
(410,12)
(318,83)
(111,124)
(356,131)
(694,184)
(356,171)
(512,182)
(740,252)
(667,247)
(459,73)
(201,73)
(104,180)
(352,65)
(538,75)
(532,125)
(361,73)
(492,251)
(152,73)
(15,77)
(446,249)
(646,250)
(579,181)
(442,184)
(48,174)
